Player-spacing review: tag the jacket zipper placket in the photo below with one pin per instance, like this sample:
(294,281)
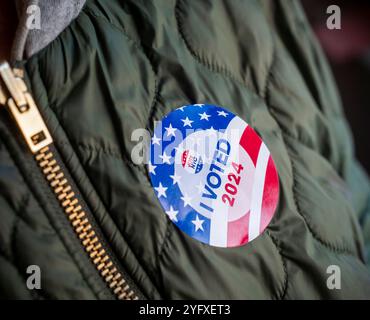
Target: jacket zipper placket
(15,96)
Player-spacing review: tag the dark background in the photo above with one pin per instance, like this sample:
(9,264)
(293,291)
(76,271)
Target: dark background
(348,51)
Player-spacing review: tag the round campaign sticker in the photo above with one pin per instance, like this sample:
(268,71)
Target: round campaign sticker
(213,175)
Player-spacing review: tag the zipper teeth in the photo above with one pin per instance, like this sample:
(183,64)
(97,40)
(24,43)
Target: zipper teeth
(82,226)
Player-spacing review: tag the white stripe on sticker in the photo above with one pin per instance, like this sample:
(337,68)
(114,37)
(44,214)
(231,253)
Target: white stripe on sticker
(257,193)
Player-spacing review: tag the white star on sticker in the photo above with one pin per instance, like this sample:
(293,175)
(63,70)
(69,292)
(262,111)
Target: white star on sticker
(170,131)
(151,168)
(161,190)
(200,105)
(172,214)
(222,113)
(175,178)
(212,131)
(182,108)
(165,158)
(198,223)
(186,199)
(187,122)
(204,116)
(156,140)
(199,187)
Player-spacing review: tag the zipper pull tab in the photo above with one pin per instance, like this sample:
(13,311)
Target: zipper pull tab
(14,94)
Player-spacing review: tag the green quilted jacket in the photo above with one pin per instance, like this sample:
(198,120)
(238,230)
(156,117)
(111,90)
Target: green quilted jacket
(87,215)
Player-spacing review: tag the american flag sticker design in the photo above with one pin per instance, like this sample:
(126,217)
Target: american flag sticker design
(213,175)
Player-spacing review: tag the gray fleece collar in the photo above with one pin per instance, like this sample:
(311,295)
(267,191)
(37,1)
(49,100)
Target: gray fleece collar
(55,16)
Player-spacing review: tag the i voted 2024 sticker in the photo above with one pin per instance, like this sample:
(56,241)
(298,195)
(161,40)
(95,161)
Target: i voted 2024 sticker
(213,175)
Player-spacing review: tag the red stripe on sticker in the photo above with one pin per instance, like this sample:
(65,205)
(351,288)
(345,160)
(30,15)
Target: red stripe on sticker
(251,143)
(270,194)
(237,231)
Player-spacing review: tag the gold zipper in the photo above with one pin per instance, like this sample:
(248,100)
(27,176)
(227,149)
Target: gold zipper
(22,107)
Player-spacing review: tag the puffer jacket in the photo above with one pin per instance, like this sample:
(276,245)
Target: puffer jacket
(121,65)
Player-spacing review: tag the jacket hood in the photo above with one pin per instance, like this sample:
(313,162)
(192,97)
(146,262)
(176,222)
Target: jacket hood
(53,17)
